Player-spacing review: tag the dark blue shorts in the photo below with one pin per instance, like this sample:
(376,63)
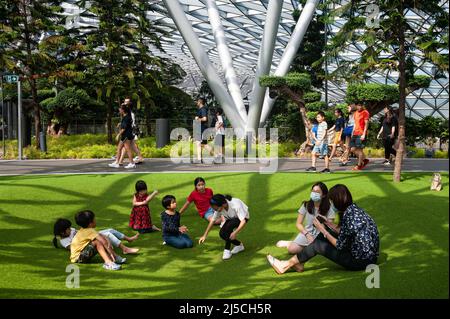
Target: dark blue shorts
(347,131)
(356,142)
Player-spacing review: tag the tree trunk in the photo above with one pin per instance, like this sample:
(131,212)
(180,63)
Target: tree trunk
(297,98)
(109,113)
(31,80)
(402,106)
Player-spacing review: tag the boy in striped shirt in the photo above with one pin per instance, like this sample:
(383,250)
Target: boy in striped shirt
(320,144)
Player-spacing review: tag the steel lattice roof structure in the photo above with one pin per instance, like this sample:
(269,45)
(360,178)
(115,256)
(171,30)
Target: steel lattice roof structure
(243,21)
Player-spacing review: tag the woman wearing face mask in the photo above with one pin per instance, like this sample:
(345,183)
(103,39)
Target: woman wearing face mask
(355,247)
(316,205)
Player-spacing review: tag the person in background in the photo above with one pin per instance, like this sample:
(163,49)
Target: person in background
(320,145)
(347,134)
(338,128)
(359,136)
(388,131)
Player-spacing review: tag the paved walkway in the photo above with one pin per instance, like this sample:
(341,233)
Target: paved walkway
(165,165)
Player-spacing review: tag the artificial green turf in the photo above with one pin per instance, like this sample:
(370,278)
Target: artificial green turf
(412,220)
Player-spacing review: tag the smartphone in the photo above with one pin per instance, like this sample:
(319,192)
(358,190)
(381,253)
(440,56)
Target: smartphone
(321,219)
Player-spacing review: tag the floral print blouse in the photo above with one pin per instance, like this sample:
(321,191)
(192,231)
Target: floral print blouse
(358,234)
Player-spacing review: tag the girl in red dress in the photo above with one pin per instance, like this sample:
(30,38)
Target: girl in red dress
(140,219)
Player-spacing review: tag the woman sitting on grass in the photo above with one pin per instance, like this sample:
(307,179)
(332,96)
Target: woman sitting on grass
(318,204)
(64,230)
(355,246)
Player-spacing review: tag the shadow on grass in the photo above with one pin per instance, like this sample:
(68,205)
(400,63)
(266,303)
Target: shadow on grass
(413,261)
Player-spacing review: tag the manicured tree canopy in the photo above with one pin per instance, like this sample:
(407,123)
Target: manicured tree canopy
(374,96)
(292,86)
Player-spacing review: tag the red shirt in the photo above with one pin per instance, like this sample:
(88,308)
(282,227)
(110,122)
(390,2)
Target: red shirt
(201,200)
(360,118)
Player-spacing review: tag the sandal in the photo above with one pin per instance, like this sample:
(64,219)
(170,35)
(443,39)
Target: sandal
(272,262)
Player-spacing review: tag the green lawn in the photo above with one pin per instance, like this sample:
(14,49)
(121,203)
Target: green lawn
(412,220)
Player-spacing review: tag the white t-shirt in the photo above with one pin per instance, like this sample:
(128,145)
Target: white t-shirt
(309,218)
(236,208)
(65,242)
(220,130)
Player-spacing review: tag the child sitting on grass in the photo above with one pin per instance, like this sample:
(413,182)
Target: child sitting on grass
(173,234)
(66,233)
(88,242)
(140,219)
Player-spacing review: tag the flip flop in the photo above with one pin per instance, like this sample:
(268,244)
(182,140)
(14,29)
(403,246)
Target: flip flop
(272,260)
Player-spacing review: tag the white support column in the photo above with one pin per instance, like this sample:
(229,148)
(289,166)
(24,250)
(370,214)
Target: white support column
(291,50)
(200,56)
(264,62)
(225,58)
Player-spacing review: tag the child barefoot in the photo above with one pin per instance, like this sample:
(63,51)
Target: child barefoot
(173,234)
(236,218)
(140,218)
(88,242)
(66,233)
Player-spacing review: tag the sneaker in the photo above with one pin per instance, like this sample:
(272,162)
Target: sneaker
(164,242)
(311,169)
(386,162)
(237,249)
(226,254)
(131,165)
(114,165)
(325,170)
(136,159)
(343,164)
(120,260)
(357,168)
(111,266)
(113,157)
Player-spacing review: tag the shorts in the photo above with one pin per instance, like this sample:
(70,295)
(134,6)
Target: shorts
(301,240)
(208,213)
(347,131)
(337,138)
(219,140)
(87,253)
(356,142)
(322,150)
(126,137)
(198,138)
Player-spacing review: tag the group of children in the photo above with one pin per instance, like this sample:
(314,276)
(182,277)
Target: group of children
(351,136)
(230,214)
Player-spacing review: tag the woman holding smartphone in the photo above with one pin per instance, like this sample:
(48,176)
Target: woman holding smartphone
(357,243)
(317,205)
